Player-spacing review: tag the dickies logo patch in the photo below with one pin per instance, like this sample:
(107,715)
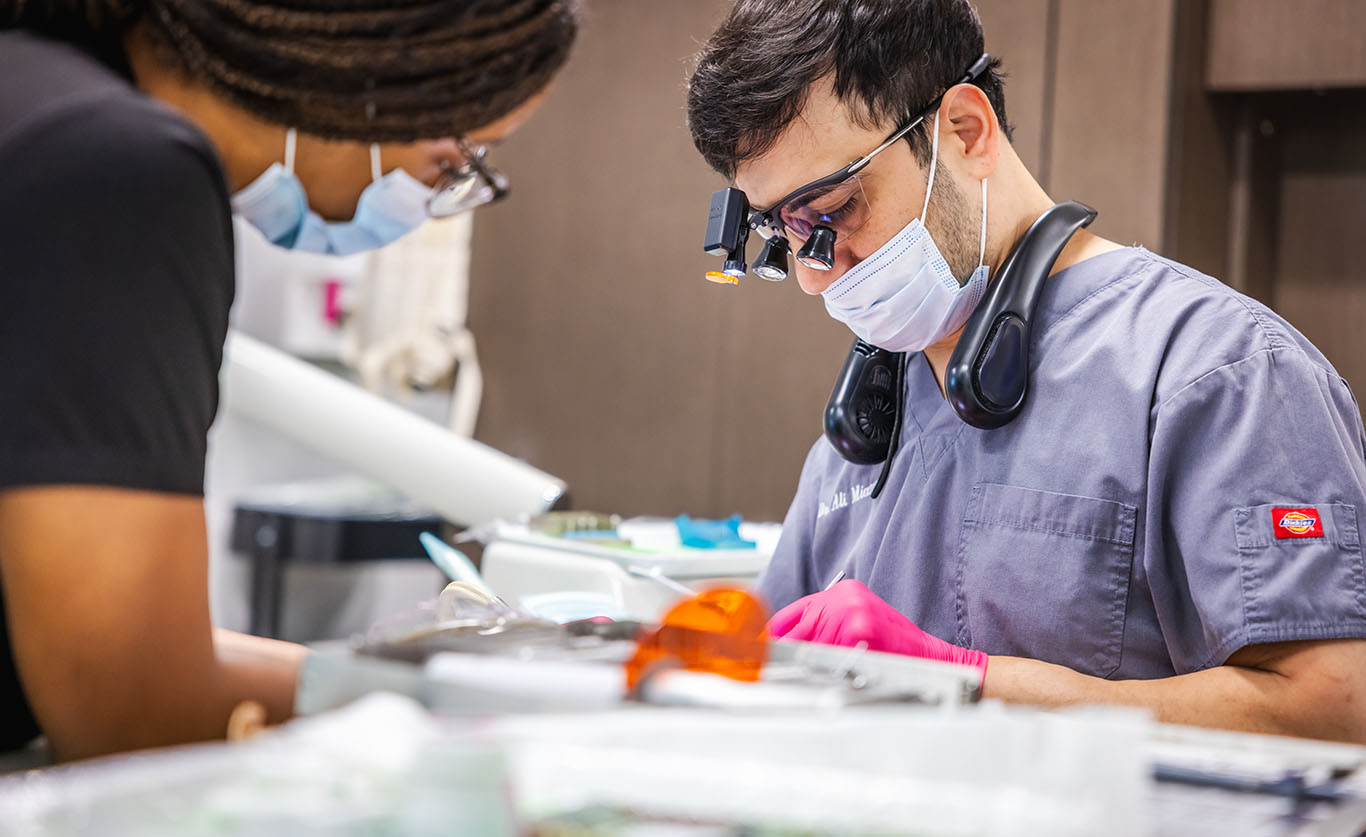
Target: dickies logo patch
(1297,523)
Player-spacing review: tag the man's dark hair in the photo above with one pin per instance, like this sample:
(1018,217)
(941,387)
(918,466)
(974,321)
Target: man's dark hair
(368,70)
(887,58)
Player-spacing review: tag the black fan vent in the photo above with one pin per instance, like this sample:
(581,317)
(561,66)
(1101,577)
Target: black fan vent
(876,415)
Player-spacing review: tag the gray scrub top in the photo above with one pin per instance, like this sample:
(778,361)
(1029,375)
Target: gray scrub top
(1184,480)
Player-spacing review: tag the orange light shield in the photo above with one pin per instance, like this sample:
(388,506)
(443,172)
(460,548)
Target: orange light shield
(720,631)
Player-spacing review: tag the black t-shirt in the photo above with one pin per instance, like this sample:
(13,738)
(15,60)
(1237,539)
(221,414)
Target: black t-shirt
(116,273)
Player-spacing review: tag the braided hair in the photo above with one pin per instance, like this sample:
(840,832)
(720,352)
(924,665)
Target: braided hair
(367,70)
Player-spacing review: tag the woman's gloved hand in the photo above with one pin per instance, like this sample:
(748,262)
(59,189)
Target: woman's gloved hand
(850,613)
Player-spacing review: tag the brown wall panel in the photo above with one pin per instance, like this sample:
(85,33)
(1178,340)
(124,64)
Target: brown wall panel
(1199,162)
(779,357)
(1254,202)
(1111,113)
(1018,32)
(1320,283)
(1286,44)
(599,338)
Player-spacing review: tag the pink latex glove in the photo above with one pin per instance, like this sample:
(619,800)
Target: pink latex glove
(850,613)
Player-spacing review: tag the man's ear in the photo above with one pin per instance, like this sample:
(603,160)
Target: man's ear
(969,129)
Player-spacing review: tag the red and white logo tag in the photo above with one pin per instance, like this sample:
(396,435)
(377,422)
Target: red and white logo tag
(1297,523)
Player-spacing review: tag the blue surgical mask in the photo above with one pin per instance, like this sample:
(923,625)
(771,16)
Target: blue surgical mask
(392,206)
(904,297)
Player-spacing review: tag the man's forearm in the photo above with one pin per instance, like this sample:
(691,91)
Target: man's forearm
(1228,696)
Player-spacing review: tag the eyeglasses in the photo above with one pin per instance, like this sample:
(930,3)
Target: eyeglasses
(842,206)
(473,184)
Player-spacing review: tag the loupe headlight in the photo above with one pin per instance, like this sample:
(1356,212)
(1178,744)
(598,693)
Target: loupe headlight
(818,253)
(772,262)
(728,227)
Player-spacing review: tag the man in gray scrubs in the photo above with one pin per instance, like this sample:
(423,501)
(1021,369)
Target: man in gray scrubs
(1171,522)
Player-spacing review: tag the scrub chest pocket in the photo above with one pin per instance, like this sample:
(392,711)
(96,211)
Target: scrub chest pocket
(1045,575)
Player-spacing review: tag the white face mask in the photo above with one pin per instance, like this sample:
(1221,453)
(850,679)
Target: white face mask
(392,206)
(904,297)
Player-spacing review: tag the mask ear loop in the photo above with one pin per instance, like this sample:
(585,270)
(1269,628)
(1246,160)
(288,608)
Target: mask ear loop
(376,171)
(982,248)
(899,391)
(291,139)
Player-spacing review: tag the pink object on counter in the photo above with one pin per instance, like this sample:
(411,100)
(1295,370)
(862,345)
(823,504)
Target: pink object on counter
(332,299)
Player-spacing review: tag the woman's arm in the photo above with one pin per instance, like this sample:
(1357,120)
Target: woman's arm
(106,592)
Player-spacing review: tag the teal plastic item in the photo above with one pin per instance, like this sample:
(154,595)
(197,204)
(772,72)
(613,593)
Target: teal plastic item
(455,564)
(712,534)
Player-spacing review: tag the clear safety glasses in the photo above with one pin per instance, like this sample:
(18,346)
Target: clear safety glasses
(842,206)
(473,184)
(814,220)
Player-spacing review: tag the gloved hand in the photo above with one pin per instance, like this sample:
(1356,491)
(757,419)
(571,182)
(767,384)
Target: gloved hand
(850,613)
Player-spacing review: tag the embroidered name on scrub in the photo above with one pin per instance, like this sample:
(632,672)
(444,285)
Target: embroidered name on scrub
(844,498)
(1296,523)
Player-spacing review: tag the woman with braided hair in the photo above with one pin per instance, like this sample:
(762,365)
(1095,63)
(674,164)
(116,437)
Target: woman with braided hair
(130,131)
